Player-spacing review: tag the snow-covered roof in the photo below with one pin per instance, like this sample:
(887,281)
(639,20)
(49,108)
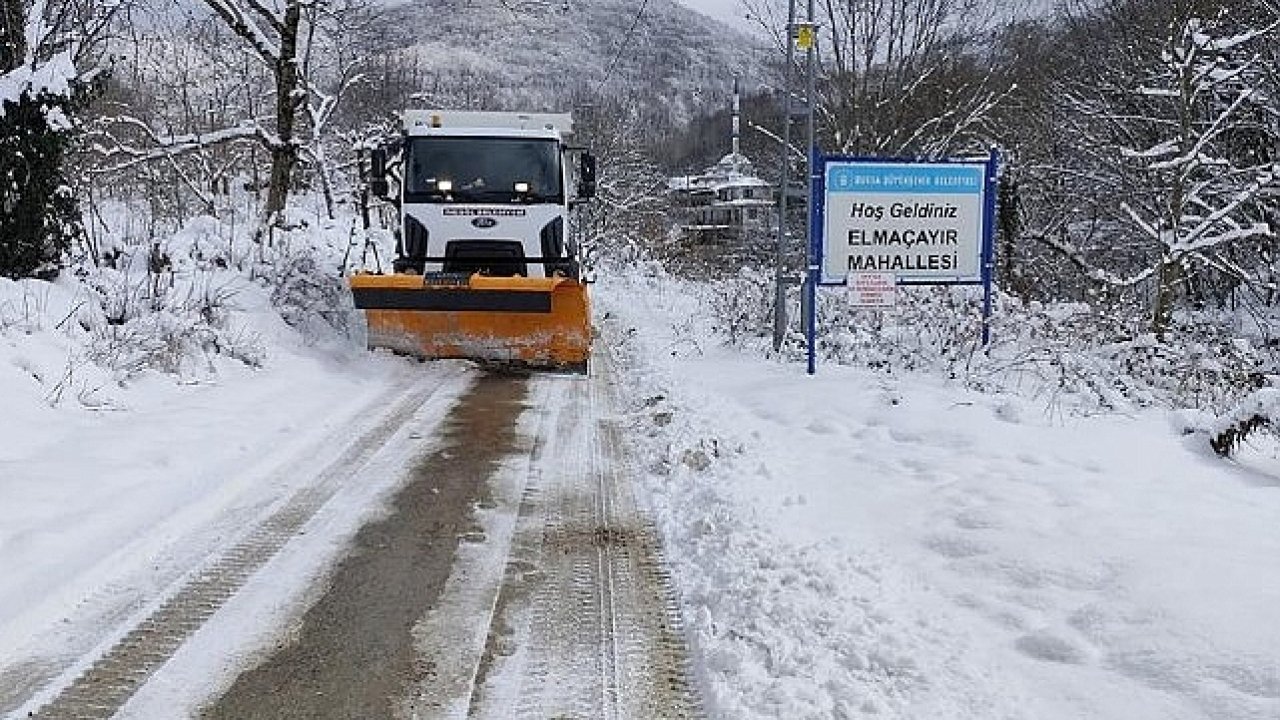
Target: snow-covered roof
(746,202)
(732,171)
(736,162)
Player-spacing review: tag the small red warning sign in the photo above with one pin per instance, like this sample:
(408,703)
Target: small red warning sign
(873,289)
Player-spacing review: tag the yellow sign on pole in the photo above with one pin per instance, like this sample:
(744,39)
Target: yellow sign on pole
(805,35)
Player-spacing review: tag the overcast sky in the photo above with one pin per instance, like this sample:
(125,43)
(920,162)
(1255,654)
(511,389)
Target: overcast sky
(732,13)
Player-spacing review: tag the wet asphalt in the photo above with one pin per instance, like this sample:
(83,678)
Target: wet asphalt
(352,654)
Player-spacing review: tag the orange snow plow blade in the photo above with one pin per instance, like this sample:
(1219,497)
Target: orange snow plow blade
(518,321)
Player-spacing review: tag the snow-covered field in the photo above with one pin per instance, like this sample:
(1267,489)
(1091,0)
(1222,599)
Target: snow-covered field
(857,544)
(860,544)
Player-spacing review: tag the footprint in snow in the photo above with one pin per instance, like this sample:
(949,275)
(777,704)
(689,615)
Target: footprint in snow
(790,501)
(977,519)
(905,436)
(862,433)
(955,547)
(821,427)
(1051,648)
(1009,412)
(917,466)
(1253,680)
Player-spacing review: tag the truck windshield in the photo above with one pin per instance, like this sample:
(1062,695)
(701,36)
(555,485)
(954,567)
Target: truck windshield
(480,169)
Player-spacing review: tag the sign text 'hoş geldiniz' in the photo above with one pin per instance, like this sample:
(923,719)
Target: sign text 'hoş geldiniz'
(923,222)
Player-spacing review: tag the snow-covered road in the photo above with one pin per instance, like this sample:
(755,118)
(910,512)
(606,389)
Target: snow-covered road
(516,552)
(585,624)
(150,519)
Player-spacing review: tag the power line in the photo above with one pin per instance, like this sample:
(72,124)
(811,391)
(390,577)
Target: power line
(626,40)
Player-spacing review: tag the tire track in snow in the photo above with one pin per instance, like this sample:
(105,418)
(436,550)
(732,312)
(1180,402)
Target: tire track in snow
(354,653)
(451,638)
(586,625)
(99,686)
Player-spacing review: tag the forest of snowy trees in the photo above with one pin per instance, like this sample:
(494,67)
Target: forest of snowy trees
(1139,137)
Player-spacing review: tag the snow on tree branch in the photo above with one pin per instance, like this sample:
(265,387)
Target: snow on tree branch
(1197,151)
(124,156)
(244,26)
(274,20)
(1164,148)
(53,76)
(1076,257)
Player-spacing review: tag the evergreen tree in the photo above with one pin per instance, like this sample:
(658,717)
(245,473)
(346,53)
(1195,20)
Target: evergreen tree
(39,215)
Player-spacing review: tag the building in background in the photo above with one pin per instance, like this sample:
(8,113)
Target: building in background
(728,201)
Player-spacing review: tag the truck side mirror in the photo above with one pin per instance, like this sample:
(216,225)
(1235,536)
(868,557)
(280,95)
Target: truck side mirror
(378,184)
(587,176)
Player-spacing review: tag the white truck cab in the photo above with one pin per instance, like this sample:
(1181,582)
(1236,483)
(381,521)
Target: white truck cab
(487,192)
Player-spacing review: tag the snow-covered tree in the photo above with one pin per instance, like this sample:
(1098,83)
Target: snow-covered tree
(1205,192)
(901,77)
(630,204)
(1172,144)
(203,113)
(272,31)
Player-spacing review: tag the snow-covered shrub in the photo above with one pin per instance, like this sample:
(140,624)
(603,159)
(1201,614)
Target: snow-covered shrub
(167,304)
(929,328)
(23,306)
(170,342)
(310,296)
(1099,361)
(1226,432)
(153,322)
(1256,412)
(1086,357)
(742,306)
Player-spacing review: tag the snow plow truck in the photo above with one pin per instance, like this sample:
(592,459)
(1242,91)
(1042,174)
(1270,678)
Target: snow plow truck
(487,267)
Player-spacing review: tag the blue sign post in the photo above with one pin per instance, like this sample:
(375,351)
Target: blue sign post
(925,223)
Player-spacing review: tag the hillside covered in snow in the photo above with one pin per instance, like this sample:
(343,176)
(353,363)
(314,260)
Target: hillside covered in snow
(549,53)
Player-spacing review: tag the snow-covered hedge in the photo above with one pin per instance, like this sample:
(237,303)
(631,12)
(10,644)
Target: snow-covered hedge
(1070,354)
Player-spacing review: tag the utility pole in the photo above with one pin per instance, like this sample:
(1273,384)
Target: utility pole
(802,35)
(810,294)
(784,185)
